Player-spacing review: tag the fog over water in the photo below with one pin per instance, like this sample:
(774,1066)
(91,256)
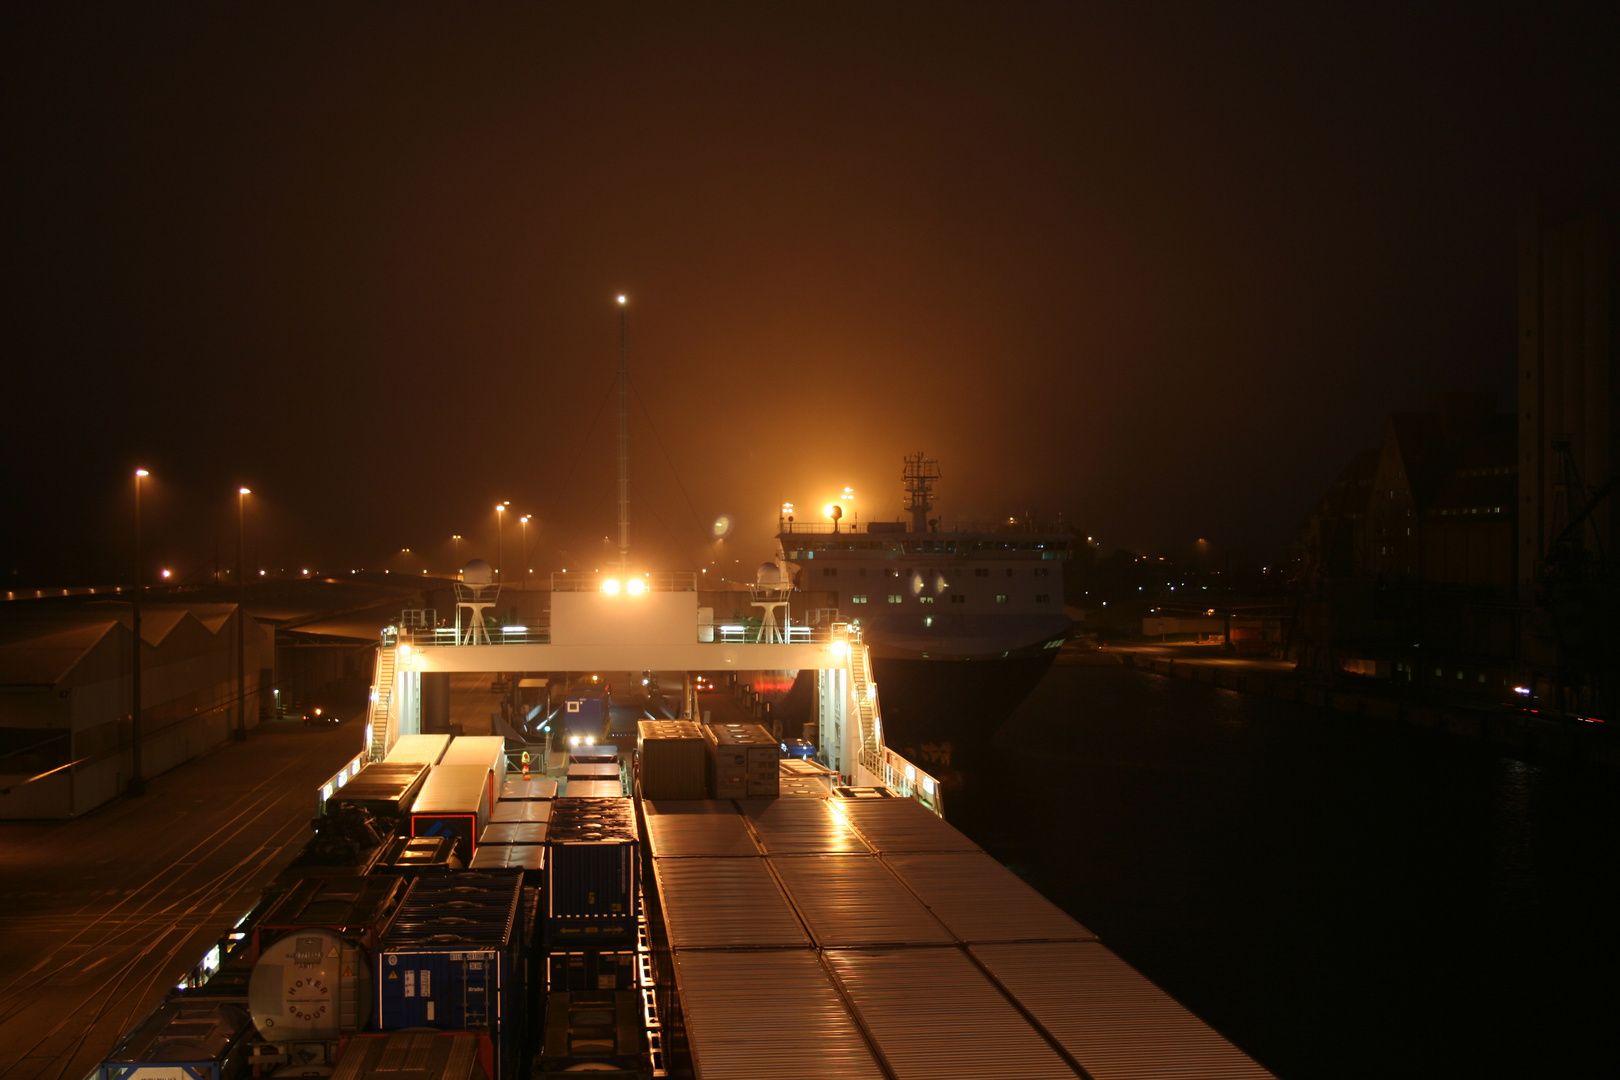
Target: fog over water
(1340,896)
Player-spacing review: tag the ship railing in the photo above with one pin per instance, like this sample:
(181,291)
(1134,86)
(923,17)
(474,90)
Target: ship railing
(729,633)
(902,530)
(661,581)
(907,781)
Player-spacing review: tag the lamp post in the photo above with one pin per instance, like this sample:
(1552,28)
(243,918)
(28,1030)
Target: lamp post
(524,521)
(137,786)
(455,541)
(500,516)
(241,614)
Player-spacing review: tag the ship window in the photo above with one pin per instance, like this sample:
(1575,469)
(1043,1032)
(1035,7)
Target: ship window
(1001,598)
(1041,571)
(958,598)
(857,599)
(1009,571)
(829,571)
(1043,598)
(981,571)
(894,598)
(891,572)
(925,599)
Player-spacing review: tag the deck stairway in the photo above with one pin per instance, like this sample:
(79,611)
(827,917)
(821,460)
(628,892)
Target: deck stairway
(381,704)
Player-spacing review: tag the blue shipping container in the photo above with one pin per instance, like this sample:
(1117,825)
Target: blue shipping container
(451,960)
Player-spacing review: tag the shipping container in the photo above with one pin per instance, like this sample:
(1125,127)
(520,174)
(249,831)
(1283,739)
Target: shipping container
(408,856)
(415,1055)
(802,827)
(794,787)
(521,810)
(517,788)
(592,861)
(672,758)
(486,750)
(595,789)
(532,833)
(594,770)
(901,825)
(528,858)
(1110,1018)
(454,802)
(423,749)
(679,828)
(742,761)
(932,1012)
(849,900)
(195,1039)
(746,1015)
(352,907)
(725,904)
(979,900)
(384,789)
(567,972)
(451,959)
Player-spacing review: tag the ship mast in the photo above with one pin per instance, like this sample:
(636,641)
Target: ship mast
(624,439)
(919,476)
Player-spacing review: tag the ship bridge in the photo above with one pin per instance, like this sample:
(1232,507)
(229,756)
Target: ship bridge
(650,622)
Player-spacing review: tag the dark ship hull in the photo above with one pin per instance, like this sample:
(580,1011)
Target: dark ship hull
(943,713)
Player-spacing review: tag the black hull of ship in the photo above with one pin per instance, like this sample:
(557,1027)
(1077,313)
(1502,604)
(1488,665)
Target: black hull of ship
(941,713)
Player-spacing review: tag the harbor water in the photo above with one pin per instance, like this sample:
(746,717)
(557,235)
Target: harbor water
(1341,896)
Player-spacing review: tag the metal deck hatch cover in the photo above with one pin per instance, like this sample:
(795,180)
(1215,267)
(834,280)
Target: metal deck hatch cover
(855,900)
(1113,1021)
(695,827)
(801,827)
(725,903)
(525,810)
(769,1016)
(901,825)
(932,1013)
(978,899)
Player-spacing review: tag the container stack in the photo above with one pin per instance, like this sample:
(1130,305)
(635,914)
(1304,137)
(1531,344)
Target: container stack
(515,838)
(742,761)
(184,1038)
(591,874)
(452,959)
(673,759)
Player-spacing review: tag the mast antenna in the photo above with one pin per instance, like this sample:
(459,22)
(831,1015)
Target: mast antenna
(624,437)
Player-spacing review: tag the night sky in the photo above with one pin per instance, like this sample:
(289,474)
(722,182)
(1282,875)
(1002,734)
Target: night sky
(1160,268)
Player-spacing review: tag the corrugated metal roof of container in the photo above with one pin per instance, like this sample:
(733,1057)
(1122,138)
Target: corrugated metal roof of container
(515,810)
(854,900)
(801,827)
(1107,1015)
(684,828)
(978,899)
(594,770)
(427,749)
(507,833)
(901,825)
(725,903)
(516,788)
(444,1055)
(932,1013)
(453,789)
(486,750)
(492,856)
(595,789)
(769,1016)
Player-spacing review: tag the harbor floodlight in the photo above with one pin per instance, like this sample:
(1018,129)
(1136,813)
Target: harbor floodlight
(621,299)
(244,491)
(637,586)
(611,586)
(142,472)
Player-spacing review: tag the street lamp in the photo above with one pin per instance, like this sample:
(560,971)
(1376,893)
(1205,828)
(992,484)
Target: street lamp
(500,516)
(136,786)
(455,540)
(241,614)
(524,552)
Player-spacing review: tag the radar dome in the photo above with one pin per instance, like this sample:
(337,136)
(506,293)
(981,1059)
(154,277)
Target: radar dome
(477,572)
(768,574)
